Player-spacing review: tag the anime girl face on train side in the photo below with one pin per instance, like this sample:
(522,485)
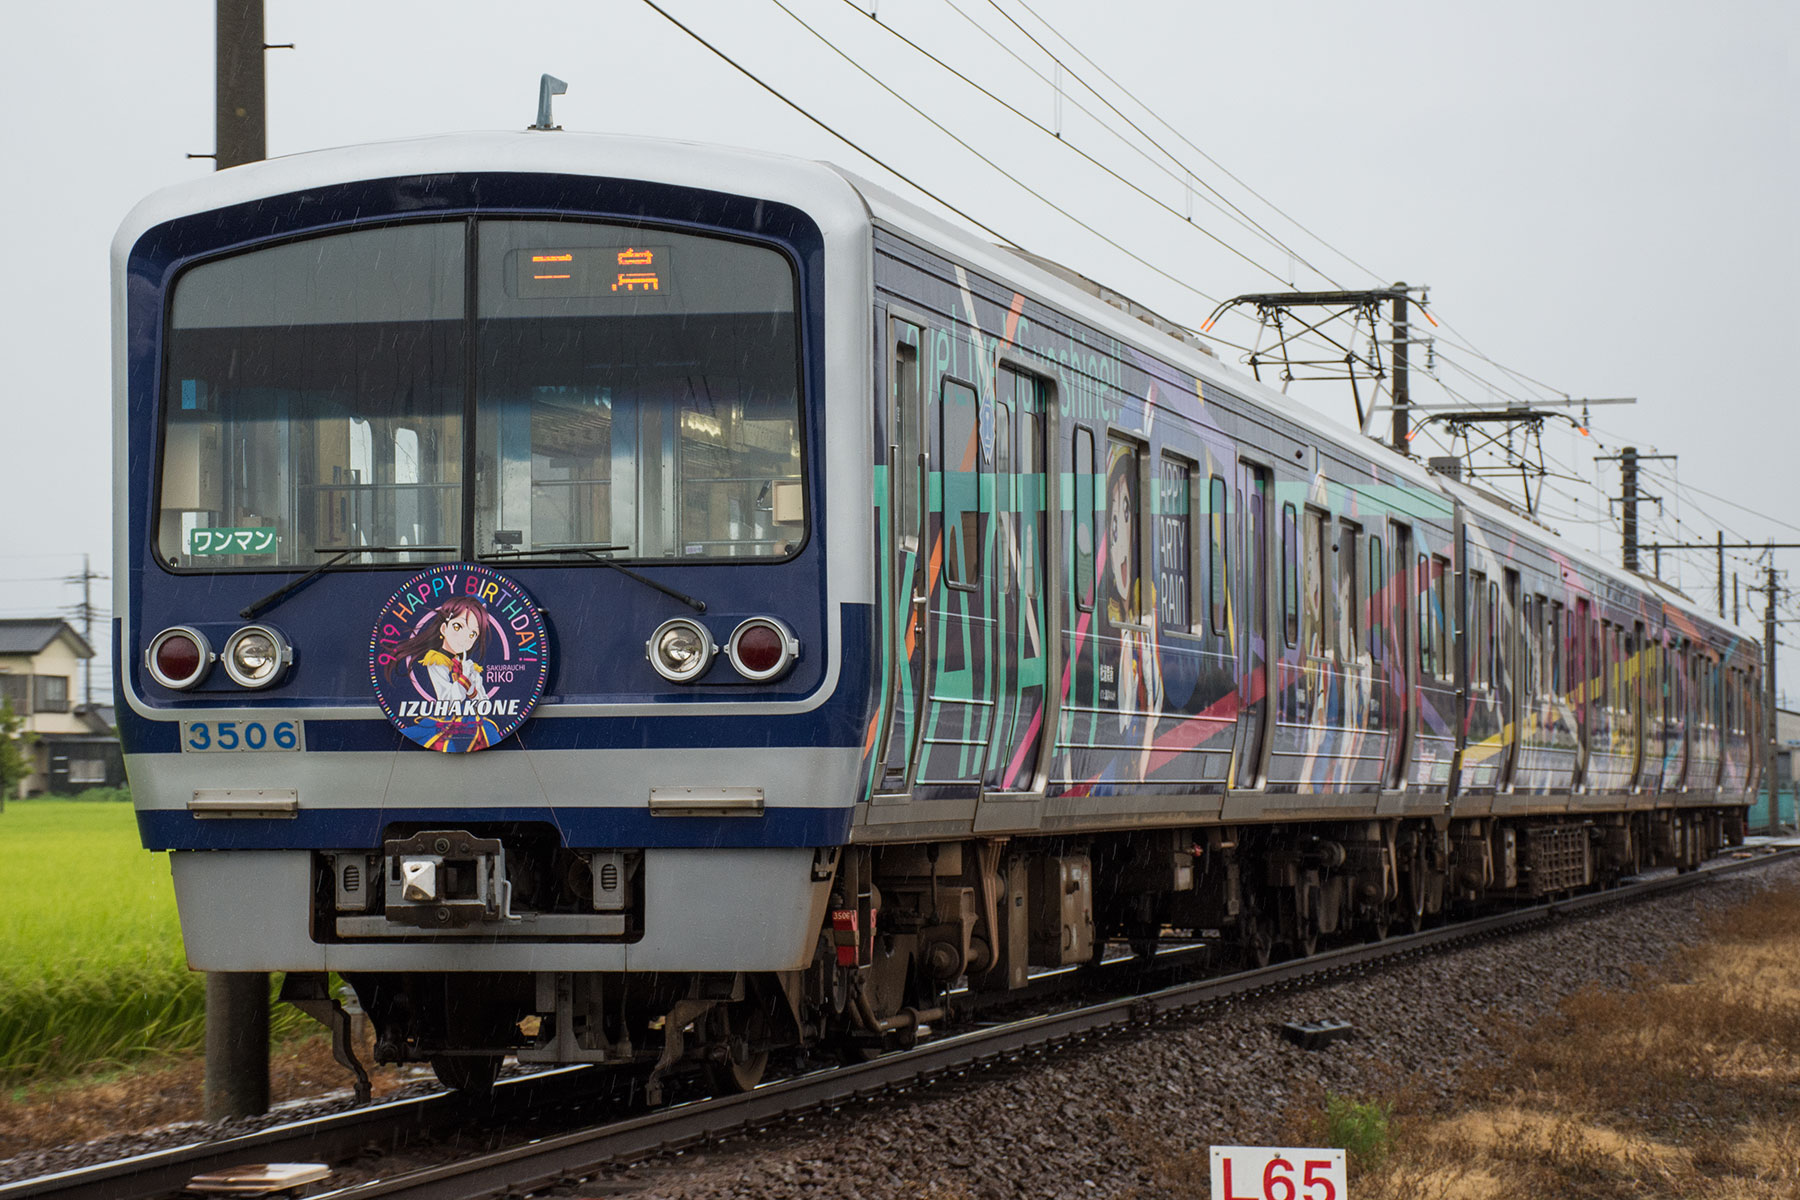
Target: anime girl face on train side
(1121,536)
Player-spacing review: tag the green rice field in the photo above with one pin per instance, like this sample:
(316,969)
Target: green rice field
(92,972)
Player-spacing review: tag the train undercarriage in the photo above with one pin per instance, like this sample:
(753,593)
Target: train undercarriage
(916,931)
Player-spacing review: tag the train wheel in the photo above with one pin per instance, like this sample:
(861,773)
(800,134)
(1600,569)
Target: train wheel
(742,1048)
(1255,937)
(1381,922)
(467,1072)
(1412,890)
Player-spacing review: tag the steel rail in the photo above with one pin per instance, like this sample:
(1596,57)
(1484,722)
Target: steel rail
(329,1138)
(572,1156)
(575,1156)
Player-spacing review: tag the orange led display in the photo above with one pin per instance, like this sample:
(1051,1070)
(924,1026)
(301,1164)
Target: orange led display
(553,258)
(630,257)
(549,276)
(637,281)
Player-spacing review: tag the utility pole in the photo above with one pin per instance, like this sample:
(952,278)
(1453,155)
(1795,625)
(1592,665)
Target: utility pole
(239,125)
(1769,755)
(237,1002)
(1402,391)
(1628,460)
(1721,574)
(85,610)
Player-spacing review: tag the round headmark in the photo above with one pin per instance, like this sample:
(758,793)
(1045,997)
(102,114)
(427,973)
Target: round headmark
(458,657)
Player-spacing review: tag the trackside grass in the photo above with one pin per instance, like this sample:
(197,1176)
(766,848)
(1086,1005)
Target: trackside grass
(92,972)
(1682,1087)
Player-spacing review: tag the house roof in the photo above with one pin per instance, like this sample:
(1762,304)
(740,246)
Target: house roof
(31,635)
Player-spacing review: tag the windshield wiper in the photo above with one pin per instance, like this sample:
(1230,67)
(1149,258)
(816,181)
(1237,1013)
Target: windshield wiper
(343,552)
(597,553)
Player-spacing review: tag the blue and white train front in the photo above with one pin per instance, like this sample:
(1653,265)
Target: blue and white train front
(494,590)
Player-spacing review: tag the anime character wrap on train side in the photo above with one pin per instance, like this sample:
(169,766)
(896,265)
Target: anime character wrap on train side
(633,602)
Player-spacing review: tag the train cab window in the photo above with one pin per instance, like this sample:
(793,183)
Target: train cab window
(1123,546)
(638,389)
(1218,568)
(1290,584)
(1083,469)
(314,401)
(1175,595)
(963,469)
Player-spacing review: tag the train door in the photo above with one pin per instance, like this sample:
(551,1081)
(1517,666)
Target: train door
(1251,602)
(1016,581)
(959,694)
(1582,641)
(1398,678)
(906,567)
(1514,681)
(1634,692)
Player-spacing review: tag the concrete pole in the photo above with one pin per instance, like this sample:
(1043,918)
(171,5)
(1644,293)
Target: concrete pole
(237,1044)
(237,1003)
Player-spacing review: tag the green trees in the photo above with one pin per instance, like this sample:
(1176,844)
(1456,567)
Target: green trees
(15,760)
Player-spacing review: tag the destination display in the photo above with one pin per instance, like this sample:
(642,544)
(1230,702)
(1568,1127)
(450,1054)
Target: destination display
(592,272)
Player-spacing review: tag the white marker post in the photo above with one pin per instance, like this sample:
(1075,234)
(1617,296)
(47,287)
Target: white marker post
(1277,1173)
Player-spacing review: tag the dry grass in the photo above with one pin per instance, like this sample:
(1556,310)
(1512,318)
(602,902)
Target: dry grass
(161,1092)
(1686,1087)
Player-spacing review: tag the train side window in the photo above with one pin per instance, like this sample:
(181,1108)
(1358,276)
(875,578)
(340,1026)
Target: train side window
(1313,634)
(1440,588)
(1559,650)
(906,442)
(1493,634)
(1348,614)
(1427,642)
(1377,585)
(1005,501)
(1124,545)
(1477,624)
(962,470)
(1218,573)
(1083,468)
(1175,594)
(1290,584)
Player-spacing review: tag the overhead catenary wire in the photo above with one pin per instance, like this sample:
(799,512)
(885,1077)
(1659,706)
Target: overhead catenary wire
(1050,133)
(1171,128)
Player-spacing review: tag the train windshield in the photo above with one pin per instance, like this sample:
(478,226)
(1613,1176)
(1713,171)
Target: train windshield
(598,386)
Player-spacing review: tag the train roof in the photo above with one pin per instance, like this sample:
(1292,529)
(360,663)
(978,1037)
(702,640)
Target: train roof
(824,194)
(838,200)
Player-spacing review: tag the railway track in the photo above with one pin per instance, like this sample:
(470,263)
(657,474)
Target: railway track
(566,1157)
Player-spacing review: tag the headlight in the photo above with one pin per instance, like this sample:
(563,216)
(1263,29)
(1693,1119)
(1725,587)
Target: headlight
(256,656)
(680,650)
(178,657)
(762,649)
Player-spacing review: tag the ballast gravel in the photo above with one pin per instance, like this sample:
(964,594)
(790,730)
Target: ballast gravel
(1133,1114)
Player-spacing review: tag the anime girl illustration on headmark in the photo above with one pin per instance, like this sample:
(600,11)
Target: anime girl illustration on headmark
(449,645)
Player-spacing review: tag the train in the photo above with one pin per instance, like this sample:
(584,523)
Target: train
(624,601)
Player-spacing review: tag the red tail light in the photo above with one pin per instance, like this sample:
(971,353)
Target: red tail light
(178,657)
(762,648)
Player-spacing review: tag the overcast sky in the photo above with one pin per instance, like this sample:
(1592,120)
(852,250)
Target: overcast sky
(1599,192)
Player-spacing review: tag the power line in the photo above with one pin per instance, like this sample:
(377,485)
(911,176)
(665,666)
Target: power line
(1171,128)
(1041,128)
